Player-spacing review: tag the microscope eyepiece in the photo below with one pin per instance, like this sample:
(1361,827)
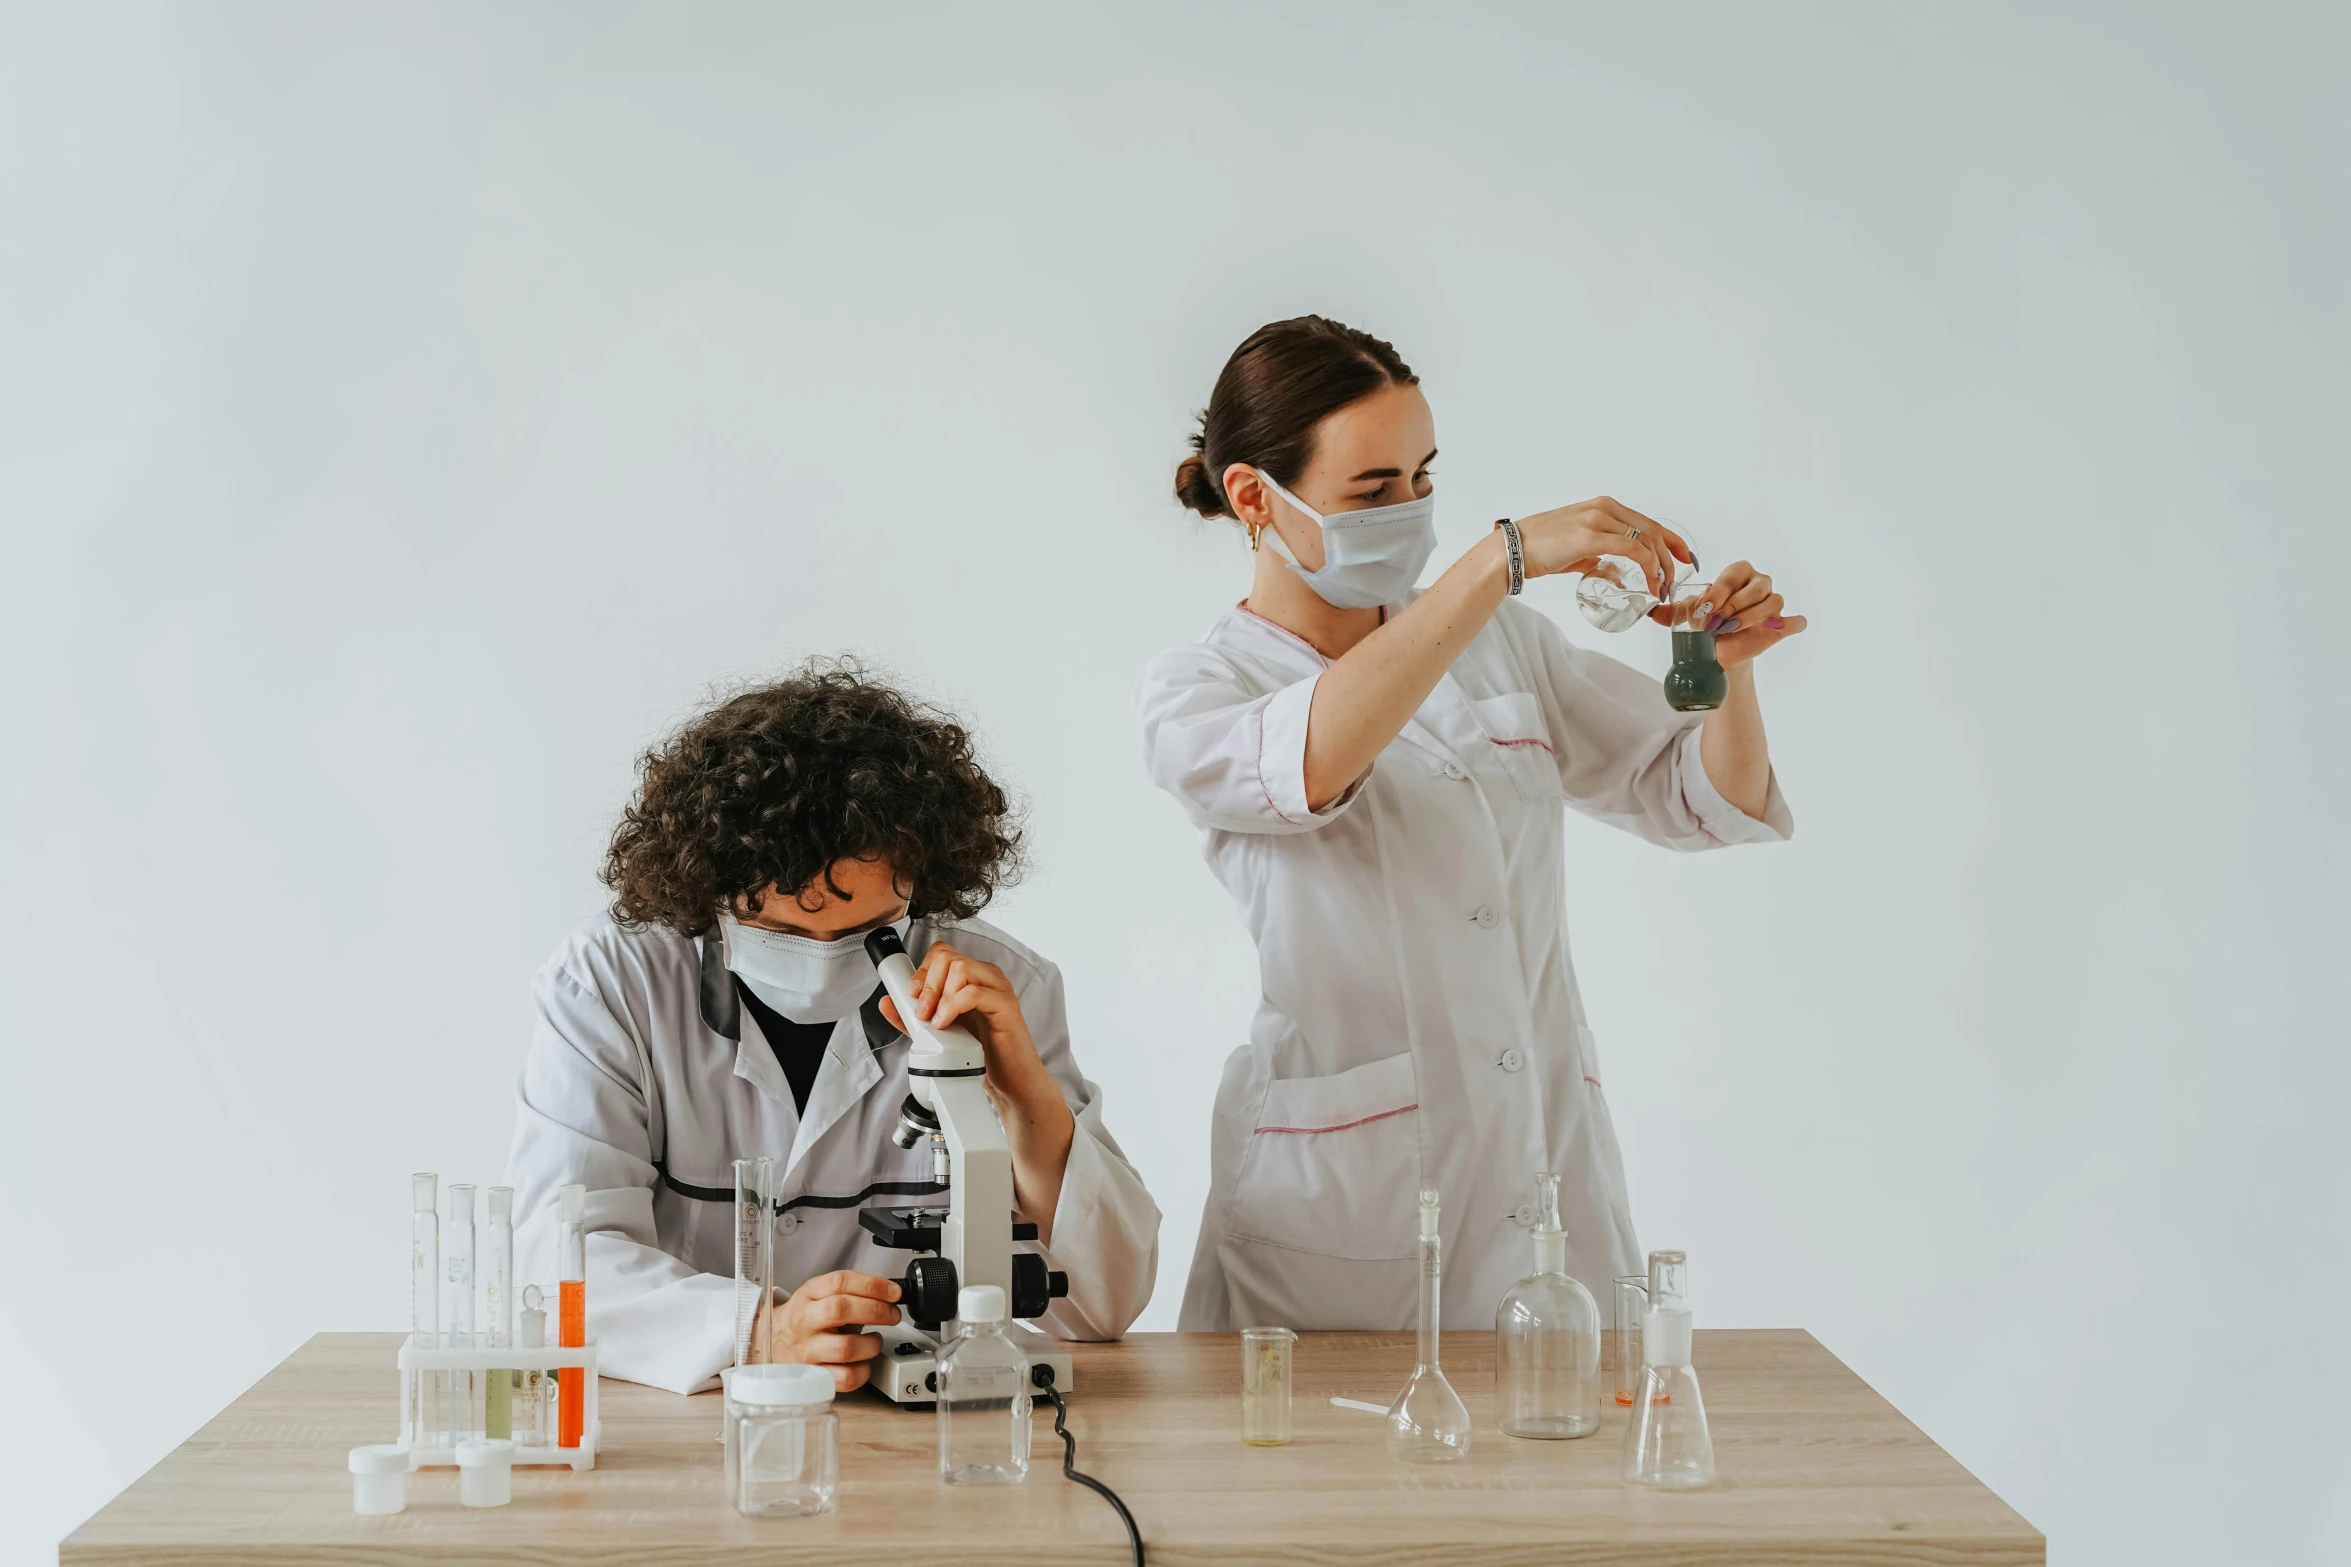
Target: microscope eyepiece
(882,943)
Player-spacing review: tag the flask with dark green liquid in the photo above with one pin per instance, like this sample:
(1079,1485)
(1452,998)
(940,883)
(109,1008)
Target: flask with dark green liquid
(1695,683)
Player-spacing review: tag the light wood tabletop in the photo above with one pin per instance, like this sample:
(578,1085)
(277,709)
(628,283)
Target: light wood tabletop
(1815,1468)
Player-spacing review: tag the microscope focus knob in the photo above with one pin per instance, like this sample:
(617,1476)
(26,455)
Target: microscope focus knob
(929,1287)
(1034,1288)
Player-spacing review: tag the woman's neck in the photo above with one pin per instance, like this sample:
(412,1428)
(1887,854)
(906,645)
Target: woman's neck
(1278,594)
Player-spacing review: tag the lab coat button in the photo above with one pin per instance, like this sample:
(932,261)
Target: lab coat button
(1486,917)
(1456,770)
(788,1223)
(1525,1213)
(1512,1060)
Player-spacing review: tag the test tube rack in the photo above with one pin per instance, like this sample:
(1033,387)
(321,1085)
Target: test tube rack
(427,1449)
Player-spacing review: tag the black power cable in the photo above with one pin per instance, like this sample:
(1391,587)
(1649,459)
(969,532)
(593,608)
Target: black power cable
(1043,1377)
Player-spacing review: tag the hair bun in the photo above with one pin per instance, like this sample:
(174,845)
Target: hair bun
(1197,490)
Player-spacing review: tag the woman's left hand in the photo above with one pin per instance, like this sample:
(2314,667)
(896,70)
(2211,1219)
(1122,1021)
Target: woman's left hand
(1748,615)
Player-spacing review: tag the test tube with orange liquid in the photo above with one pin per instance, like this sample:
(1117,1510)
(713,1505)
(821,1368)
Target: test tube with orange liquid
(572,1314)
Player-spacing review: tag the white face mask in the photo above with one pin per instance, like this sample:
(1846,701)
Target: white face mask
(807,980)
(1369,557)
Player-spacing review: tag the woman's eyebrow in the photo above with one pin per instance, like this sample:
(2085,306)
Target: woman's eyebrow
(1391,473)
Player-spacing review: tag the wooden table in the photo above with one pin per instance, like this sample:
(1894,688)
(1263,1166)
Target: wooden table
(1815,1468)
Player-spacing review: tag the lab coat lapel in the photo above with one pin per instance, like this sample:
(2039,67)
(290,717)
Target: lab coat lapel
(848,1070)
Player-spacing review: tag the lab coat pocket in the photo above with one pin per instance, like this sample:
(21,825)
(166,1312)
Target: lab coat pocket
(1516,734)
(1333,1164)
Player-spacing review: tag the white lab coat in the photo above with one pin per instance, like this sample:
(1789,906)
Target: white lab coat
(646,1080)
(1419,1023)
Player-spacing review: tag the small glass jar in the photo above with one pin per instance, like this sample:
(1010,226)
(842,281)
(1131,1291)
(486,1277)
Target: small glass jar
(1265,1386)
(783,1456)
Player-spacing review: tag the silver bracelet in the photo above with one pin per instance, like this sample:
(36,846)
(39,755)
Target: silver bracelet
(1518,559)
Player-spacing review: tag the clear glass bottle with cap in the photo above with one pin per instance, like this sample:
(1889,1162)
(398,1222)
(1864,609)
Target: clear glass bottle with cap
(983,1395)
(1666,1443)
(1427,1422)
(1547,1339)
(785,1454)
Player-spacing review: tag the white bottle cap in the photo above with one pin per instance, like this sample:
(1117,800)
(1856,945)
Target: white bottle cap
(485,1473)
(780,1383)
(573,1202)
(1665,1336)
(501,1202)
(379,1479)
(380,1458)
(980,1303)
(422,1188)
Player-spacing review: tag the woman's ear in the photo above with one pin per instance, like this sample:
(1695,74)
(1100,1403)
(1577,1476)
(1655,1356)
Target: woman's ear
(1252,500)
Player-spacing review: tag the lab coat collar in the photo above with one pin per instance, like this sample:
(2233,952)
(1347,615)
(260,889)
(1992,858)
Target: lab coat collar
(850,1068)
(722,1009)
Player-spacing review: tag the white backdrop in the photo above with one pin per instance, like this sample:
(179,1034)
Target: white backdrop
(404,419)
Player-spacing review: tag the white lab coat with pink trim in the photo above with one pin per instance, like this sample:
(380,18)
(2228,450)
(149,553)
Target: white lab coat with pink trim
(1419,1023)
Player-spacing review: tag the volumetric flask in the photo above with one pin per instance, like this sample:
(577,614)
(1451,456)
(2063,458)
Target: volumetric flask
(1265,1386)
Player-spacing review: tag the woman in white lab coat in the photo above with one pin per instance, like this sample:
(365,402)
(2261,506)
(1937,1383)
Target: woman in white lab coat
(1382,776)
(726,1009)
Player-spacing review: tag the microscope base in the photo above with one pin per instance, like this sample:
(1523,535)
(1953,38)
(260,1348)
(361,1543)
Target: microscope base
(901,1373)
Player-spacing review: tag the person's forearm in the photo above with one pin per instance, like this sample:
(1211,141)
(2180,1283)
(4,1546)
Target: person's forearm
(1733,749)
(1371,691)
(1039,1129)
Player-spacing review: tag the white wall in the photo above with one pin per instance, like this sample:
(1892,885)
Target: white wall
(404,418)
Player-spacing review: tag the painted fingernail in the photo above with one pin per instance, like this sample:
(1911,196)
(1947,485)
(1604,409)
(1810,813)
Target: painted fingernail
(1728,625)
(1773,625)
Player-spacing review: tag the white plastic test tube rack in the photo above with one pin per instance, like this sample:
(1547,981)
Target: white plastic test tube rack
(427,1449)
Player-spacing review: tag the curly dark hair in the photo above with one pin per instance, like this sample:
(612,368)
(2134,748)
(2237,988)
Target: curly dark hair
(779,782)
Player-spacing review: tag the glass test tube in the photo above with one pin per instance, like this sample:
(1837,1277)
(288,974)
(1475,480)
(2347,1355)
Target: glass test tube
(1632,1299)
(531,1428)
(423,1413)
(464,1415)
(498,1313)
(572,1313)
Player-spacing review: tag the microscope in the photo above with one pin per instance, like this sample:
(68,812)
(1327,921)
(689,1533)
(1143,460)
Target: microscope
(970,1240)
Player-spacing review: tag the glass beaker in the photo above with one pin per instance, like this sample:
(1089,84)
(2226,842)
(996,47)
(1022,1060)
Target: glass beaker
(1265,1386)
(1696,682)
(1632,1299)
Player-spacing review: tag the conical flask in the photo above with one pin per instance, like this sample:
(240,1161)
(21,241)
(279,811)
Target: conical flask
(1428,1423)
(1666,1442)
(1547,1339)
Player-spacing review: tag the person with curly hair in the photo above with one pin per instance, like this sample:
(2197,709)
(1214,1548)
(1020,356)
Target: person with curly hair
(725,1008)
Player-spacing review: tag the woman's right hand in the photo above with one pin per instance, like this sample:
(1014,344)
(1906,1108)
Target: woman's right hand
(1573,538)
(820,1324)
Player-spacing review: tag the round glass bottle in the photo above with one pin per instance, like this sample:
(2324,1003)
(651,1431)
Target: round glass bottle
(1547,1339)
